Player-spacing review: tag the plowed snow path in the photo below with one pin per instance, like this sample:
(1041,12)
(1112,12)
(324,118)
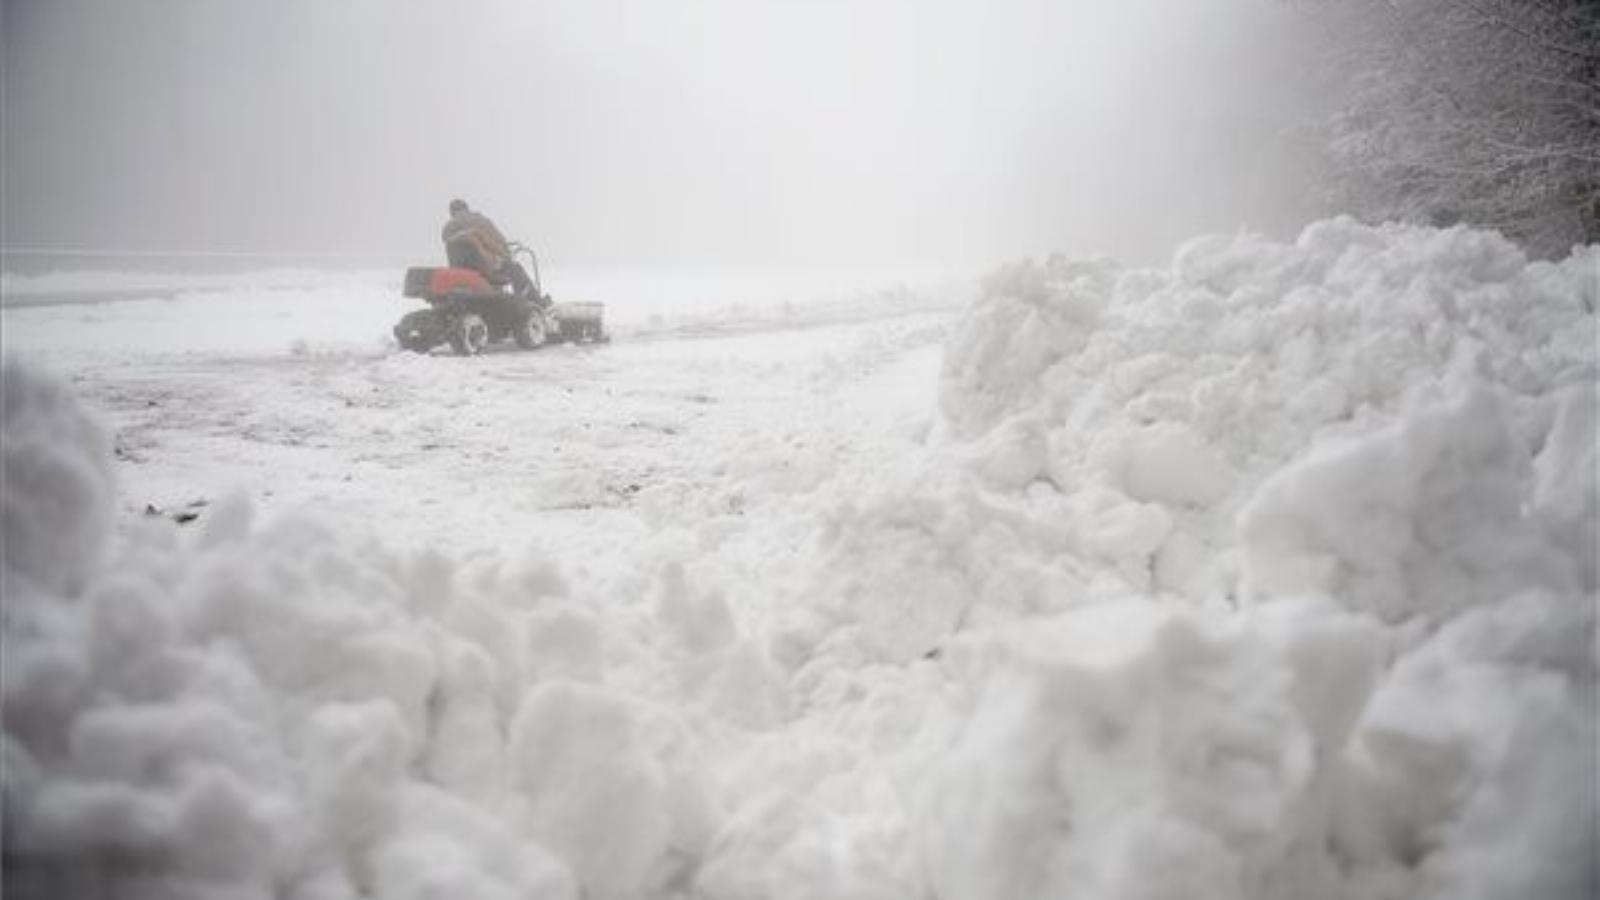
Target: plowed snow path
(580,449)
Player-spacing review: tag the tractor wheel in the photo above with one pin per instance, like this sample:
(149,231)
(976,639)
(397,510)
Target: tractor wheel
(532,331)
(416,331)
(470,335)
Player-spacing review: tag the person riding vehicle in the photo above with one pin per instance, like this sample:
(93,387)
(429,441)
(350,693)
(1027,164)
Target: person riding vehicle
(472,242)
(485,295)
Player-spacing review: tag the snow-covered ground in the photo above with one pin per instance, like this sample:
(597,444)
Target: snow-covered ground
(1268,574)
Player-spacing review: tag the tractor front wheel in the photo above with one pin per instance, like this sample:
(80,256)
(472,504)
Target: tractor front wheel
(531,331)
(417,331)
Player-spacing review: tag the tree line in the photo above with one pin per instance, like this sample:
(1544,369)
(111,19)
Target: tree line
(1484,112)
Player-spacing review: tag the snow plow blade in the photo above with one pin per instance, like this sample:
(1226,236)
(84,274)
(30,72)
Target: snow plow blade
(578,322)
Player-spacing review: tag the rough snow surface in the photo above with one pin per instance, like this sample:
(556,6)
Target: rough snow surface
(1269,574)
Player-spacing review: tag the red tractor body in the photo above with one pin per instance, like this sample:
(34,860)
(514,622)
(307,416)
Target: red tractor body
(435,284)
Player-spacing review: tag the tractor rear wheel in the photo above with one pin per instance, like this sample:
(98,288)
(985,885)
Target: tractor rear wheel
(417,331)
(470,335)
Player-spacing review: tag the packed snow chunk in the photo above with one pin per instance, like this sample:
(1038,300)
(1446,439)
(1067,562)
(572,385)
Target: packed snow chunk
(565,643)
(55,509)
(1169,463)
(740,684)
(1474,766)
(831,832)
(316,621)
(228,829)
(132,633)
(608,786)
(1120,530)
(355,757)
(466,752)
(427,867)
(147,787)
(1126,751)
(1425,517)
(1012,456)
(452,848)
(46,673)
(700,621)
(1567,498)
(1033,317)
(891,577)
(730,675)
(1337,660)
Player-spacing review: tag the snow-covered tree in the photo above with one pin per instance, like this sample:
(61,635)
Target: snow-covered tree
(1478,111)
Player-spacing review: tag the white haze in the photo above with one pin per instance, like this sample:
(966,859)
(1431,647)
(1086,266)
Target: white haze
(709,132)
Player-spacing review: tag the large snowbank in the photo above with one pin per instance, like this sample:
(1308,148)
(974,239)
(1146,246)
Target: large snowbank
(1269,574)
(1275,574)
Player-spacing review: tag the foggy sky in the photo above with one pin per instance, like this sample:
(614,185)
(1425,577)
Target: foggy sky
(712,132)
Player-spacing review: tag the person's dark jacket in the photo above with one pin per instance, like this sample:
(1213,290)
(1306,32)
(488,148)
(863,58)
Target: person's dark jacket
(473,229)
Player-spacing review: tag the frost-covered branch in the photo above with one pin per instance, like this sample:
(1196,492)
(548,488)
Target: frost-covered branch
(1482,111)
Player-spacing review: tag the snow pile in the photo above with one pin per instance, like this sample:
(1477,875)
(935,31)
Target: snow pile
(1158,403)
(1269,575)
(55,510)
(287,710)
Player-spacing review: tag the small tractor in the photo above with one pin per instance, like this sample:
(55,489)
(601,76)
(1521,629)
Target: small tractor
(468,311)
